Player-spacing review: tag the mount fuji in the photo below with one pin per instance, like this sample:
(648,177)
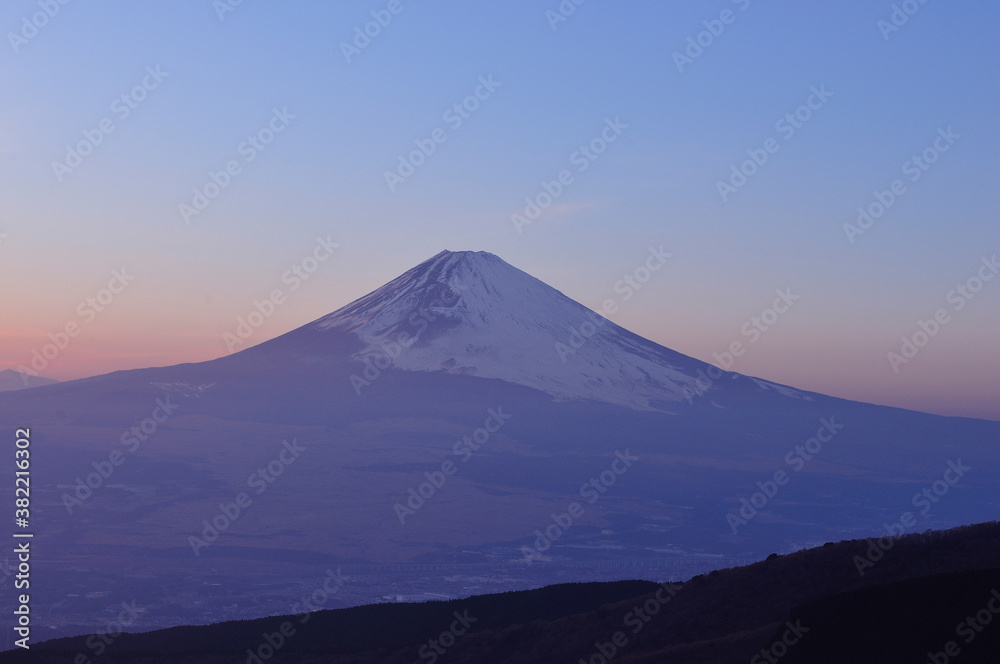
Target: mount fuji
(549,342)
(465,428)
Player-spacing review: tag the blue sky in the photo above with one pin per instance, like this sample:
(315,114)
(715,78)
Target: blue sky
(657,184)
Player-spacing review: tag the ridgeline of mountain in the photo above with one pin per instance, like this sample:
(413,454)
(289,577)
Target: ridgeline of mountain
(471,313)
(11,380)
(925,591)
(437,437)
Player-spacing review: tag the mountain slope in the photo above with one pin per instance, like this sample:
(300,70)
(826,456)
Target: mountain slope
(452,463)
(11,380)
(448,314)
(907,606)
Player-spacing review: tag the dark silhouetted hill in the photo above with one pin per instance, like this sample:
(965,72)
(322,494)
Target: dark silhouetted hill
(811,606)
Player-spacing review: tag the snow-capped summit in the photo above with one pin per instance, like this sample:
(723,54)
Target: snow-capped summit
(472,313)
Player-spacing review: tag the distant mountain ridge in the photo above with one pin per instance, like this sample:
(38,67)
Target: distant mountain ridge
(11,380)
(809,607)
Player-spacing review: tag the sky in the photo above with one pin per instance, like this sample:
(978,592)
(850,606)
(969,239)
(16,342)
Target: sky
(177,162)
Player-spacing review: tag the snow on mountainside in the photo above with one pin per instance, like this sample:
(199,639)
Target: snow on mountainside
(472,313)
